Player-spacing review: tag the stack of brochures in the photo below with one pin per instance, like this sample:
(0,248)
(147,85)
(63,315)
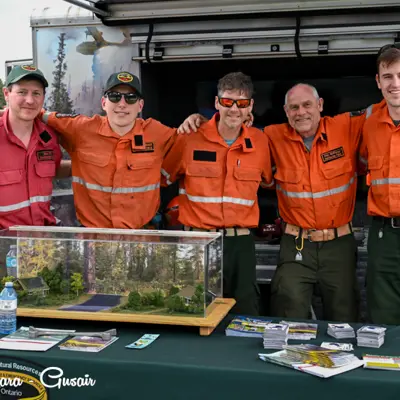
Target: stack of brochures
(288,358)
(301,330)
(341,331)
(275,336)
(337,346)
(247,327)
(20,340)
(371,336)
(87,343)
(316,355)
(390,363)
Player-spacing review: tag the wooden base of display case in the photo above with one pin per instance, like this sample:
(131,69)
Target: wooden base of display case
(216,312)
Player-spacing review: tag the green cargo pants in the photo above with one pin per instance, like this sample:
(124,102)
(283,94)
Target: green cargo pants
(331,264)
(383,274)
(239,275)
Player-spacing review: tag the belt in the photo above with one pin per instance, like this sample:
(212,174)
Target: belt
(319,235)
(225,231)
(394,222)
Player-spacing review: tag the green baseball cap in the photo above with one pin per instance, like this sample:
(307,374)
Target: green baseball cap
(123,78)
(25,71)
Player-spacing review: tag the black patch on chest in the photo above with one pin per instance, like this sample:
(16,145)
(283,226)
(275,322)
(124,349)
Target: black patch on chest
(138,140)
(45,155)
(45,136)
(249,145)
(203,155)
(148,148)
(332,155)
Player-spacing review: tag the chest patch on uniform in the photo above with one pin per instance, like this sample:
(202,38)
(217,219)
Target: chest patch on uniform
(203,155)
(148,148)
(249,145)
(333,154)
(45,136)
(45,155)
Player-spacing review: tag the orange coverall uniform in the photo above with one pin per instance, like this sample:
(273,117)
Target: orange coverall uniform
(218,189)
(116,180)
(316,197)
(380,150)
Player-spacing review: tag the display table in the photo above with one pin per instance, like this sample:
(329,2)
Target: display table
(180,364)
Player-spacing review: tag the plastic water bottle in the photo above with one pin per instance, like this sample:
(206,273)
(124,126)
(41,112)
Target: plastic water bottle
(8,309)
(11,261)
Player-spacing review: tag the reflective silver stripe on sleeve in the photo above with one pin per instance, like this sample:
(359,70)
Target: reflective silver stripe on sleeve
(386,181)
(369,111)
(224,199)
(45,117)
(109,189)
(317,195)
(24,204)
(363,160)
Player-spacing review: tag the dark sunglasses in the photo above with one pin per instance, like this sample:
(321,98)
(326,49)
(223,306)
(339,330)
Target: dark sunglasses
(241,103)
(388,46)
(115,97)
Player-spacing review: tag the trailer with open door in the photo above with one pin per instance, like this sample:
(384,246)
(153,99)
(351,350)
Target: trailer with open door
(179,49)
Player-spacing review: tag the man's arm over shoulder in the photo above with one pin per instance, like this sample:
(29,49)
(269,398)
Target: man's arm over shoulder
(68,126)
(173,164)
(264,155)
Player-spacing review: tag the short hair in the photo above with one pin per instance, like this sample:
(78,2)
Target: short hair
(387,56)
(314,90)
(236,81)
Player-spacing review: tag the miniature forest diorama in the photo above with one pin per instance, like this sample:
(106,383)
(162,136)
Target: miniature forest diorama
(116,276)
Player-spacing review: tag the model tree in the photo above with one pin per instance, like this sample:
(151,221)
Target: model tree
(59,98)
(77,283)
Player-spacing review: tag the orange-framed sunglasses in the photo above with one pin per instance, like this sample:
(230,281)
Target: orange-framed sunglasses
(227,102)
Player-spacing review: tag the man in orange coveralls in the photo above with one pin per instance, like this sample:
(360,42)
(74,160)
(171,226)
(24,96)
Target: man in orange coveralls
(381,151)
(316,180)
(220,169)
(116,160)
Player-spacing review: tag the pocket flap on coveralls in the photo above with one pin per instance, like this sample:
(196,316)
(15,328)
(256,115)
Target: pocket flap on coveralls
(208,171)
(247,174)
(46,169)
(13,176)
(344,167)
(99,160)
(375,162)
(141,163)
(288,175)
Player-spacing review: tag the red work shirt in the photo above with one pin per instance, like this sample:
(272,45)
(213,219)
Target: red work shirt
(26,175)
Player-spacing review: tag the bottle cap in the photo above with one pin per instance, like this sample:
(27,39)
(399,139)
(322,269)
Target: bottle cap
(9,284)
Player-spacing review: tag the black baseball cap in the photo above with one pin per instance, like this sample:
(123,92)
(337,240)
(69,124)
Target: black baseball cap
(123,78)
(24,72)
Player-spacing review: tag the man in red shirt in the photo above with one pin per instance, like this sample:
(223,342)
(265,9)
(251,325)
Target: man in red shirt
(30,152)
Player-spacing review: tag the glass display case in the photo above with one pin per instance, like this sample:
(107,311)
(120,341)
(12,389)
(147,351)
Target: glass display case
(166,277)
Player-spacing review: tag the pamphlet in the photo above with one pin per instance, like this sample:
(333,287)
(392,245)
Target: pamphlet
(20,340)
(87,343)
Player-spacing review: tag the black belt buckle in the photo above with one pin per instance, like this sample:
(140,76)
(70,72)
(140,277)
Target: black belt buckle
(395,222)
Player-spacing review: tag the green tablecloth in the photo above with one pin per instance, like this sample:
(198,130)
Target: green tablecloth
(181,364)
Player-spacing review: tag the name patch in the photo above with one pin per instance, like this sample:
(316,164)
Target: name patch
(203,155)
(333,154)
(148,148)
(45,155)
